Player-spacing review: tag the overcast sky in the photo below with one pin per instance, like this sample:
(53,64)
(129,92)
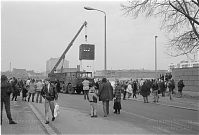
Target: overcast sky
(33,32)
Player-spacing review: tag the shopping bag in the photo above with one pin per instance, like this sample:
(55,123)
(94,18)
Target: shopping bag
(56,110)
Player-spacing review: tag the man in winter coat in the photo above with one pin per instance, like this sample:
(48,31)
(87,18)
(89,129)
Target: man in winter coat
(49,93)
(162,87)
(39,87)
(180,87)
(86,88)
(171,86)
(105,95)
(15,88)
(134,86)
(32,90)
(155,91)
(6,89)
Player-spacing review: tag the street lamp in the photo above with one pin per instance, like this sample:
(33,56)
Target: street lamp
(89,8)
(156,55)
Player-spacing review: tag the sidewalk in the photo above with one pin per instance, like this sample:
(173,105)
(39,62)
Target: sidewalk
(190,95)
(184,102)
(27,123)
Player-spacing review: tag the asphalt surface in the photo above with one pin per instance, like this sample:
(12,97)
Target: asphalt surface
(154,118)
(136,117)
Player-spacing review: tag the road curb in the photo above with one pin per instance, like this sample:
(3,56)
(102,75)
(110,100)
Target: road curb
(49,129)
(175,106)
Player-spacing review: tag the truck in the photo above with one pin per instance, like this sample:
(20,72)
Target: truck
(71,81)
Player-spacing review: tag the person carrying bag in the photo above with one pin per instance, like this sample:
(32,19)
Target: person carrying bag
(49,93)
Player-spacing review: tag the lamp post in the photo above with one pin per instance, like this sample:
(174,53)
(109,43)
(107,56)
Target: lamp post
(156,55)
(89,8)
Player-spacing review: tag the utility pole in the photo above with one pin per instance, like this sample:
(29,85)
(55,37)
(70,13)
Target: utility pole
(156,55)
(10,66)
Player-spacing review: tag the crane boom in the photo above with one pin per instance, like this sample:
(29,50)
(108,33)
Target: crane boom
(66,50)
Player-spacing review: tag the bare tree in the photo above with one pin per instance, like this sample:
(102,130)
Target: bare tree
(179,17)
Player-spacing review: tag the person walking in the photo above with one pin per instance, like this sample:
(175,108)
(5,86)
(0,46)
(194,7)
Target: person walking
(171,86)
(32,90)
(105,95)
(145,90)
(49,93)
(162,87)
(117,97)
(86,88)
(24,92)
(92,96)
(129,89)
(134,86)
(180,87)
(124,88)
(15,88)
(39,86)
(155,91)
(6,90)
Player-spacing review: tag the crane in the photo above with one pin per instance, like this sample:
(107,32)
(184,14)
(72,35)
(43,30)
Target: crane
(69,46)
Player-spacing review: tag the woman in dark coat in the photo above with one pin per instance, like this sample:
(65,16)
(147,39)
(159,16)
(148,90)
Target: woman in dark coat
(15,87)
(105,95)
(145,90)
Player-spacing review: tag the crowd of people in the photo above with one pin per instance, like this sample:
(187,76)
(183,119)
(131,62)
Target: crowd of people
(105,91)
(101,90)
(43,89)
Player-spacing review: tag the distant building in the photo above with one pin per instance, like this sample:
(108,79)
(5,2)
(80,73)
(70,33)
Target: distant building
(184,64)
(129,74)
(51,63)
(20,73)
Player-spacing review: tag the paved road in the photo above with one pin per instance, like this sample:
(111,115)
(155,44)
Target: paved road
(152,118)
(136,118)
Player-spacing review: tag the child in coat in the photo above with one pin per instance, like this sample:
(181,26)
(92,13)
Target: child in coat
(24,93)
(117,98)
(92,96)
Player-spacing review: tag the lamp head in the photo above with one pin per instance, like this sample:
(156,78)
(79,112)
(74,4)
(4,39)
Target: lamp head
(89,8)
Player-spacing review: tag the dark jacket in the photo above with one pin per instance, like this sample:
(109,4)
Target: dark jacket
(6,89)
(105,91)
(51,94)
(117,93)
(180,85)
(134,86)
(155,86)
(171,84)
(161,86)
(145,89)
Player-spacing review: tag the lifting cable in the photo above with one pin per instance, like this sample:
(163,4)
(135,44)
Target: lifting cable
(86,33)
